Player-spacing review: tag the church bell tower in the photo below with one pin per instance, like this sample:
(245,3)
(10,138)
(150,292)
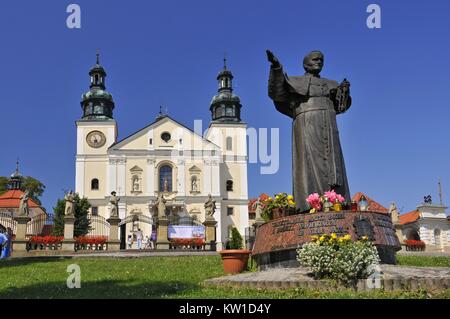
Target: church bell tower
(96,132)
(227,130)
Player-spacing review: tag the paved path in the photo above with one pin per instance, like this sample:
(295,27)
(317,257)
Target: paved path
(391,278)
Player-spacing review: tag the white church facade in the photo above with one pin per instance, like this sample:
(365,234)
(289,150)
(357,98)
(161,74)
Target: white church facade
(164,157)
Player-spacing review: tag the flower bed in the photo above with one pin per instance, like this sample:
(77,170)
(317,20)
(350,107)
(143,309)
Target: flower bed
(91,242)
(339,258)
(187,243)
(45,242)
(414,245)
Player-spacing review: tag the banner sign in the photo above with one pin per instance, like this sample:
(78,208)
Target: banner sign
(176,231)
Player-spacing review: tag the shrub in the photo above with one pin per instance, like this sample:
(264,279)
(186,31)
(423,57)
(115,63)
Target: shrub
(236,241)
(339,258)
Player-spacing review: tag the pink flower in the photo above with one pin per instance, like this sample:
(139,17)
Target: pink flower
(314,201)
(340,198)
(331,195)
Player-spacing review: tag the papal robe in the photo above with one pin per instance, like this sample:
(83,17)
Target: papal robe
(317,160)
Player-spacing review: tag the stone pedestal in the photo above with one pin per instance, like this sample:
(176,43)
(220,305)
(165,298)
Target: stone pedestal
(210,233)
(68,244)
(161,238)
(277,240)
(113,240)
(20,243)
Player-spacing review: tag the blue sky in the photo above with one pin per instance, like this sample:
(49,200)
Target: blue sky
(395,137)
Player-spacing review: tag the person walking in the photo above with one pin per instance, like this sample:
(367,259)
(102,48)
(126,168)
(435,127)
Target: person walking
(130,241)
(3,243)
(6,252)
(139,237)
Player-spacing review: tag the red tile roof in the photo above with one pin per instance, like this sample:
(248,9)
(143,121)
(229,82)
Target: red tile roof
(11,199)
(409,217)
(373,205)
(262,197)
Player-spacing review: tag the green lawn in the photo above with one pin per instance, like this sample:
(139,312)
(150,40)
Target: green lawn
(153,277)
(423,261)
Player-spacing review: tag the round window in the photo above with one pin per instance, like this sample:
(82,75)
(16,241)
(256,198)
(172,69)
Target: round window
(165,136)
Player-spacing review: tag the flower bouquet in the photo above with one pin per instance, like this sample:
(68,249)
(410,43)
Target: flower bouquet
(280,206)
(325,202)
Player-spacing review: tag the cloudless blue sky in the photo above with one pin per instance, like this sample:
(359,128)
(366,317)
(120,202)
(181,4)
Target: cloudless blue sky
(395,137)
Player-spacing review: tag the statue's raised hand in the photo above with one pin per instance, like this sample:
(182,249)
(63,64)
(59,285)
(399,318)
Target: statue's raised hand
(272,59)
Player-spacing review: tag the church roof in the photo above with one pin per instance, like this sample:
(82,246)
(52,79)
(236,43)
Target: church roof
(373,205)
(11,199)
(409,217)
(158,119)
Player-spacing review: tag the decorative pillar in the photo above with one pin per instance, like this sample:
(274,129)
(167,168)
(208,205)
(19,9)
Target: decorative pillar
(20,243)
(181,178)
(210,233)
(68,243)
(151,176)
(113,240)
(162,241)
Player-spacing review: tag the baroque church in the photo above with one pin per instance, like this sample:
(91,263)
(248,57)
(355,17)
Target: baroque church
(164,157)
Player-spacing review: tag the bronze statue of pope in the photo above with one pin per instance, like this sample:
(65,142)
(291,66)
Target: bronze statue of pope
(313,103)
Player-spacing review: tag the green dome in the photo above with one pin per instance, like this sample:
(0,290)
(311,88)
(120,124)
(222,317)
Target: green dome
(96,94)
(225,96)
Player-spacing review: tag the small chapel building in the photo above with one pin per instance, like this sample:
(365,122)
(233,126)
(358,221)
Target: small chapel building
(165,157)
(428,223)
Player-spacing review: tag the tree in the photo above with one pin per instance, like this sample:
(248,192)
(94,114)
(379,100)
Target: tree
(82,222)
(4,182)
(33,186)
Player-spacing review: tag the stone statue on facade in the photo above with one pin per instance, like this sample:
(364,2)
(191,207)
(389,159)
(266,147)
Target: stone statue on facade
(161,205)
(24,210)
(210,206)
(70,204)
(393,211)
(313,103)
(166,185)
(114,201)
(136,184)
(257,206)
(194,184)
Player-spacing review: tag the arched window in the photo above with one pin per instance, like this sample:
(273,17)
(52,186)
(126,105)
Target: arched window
(229,143)
(165,178)
(229,185)
(94,184)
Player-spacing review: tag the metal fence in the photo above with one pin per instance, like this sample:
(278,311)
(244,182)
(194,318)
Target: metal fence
(99,226)
(6,220)
(36,225)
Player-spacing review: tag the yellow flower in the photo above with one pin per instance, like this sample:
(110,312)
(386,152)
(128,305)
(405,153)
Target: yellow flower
(347,237)
(314,238)
(333,235)
(322,238)
(364,238)
(290,197)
